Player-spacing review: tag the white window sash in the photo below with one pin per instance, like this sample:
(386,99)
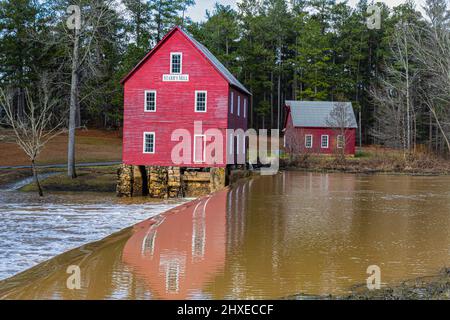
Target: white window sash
(146,101)
(340,141)
(308,146)
(172,54)
(239,106)
(245,107)
(196,101)
(232,102)
(145,142)
(327,137)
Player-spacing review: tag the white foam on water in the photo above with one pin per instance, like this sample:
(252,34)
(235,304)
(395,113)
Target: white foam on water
(33,230)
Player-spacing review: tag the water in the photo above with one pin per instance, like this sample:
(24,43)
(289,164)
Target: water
(33,230)
(271,237)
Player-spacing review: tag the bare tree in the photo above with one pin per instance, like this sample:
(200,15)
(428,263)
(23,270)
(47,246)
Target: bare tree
(37,126)
(431,45)
(83,31)
(395,112)
(341,120)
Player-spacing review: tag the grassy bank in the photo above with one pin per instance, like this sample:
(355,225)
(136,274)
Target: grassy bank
(91,146)
(10,176)
(371,160)
(98,179)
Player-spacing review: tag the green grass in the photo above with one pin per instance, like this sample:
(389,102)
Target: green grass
(102,179)
(362,154)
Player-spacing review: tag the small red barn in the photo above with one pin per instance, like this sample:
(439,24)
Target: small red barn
(320,127)
(180,86)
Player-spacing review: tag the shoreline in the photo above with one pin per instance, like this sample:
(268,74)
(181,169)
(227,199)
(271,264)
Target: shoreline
(428,287)
(367,172)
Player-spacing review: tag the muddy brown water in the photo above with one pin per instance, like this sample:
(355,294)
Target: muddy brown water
(269,237)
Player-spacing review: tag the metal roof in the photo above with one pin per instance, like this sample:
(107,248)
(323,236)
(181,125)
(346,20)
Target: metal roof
(222,69)
(318,113)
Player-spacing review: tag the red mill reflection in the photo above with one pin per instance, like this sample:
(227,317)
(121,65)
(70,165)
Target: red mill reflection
(180,253)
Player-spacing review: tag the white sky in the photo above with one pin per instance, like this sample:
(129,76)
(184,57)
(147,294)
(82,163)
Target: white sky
(197,12)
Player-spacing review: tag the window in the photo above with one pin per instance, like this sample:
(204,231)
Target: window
(325,139)
(309,141)
(173,277)
(239,106)
(232,102)
(245,107)
(201,101)
(199,148)
(340,141)
(149,142)
(176,63)
(150,101)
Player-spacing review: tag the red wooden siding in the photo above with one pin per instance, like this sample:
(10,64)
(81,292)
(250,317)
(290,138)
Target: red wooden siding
(295,139)
(175,103)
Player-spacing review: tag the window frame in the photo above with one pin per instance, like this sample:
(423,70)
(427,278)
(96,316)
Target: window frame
(203,136)
(321,141)
(239,106)
(306,141)
(338,138)
(232,102)
(145,142)
(197,92)
(172,54)
(245,108)
(145,100)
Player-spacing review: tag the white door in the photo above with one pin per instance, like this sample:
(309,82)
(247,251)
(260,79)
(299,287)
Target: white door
(199,148)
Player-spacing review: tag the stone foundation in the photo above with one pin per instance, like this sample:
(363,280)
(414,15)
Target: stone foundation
(168,182)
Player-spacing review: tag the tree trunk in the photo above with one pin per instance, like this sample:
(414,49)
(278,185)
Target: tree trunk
(447,142)
(73,108)
(279,102)
(271,99)
(36,179)
(430,133)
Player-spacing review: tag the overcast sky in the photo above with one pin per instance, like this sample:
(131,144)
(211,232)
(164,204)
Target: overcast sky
(197,13)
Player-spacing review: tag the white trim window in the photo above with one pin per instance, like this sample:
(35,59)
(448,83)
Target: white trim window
(245,107)
(325,139)
(340,141)
(308,141)
(201,101)
(176,63)
(232,102)
(150,101)
(239,106)
(149,142)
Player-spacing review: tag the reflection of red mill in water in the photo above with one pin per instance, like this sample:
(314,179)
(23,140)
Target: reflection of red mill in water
(178,253)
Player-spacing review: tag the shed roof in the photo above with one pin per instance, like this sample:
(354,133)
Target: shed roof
(212,59)
(318,113)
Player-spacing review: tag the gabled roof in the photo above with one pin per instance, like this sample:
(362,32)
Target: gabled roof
(317,113)
(203,50)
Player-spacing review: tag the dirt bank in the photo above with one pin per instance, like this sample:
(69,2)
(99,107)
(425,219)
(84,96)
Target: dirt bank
(435,287)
